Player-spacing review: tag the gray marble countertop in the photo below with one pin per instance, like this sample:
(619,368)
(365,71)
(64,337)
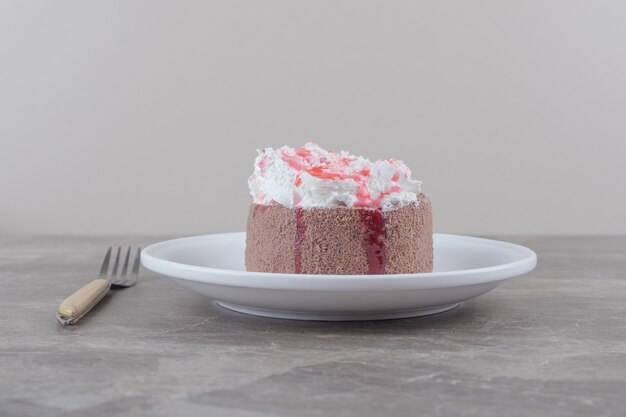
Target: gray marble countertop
(551,343)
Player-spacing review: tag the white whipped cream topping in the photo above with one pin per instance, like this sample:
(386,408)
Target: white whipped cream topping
(314,177)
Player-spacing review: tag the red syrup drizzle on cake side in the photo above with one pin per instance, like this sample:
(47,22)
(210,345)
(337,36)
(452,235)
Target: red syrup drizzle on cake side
(373,221)
(300,230)
(259,209)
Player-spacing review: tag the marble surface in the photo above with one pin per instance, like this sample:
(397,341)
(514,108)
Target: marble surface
(551,343)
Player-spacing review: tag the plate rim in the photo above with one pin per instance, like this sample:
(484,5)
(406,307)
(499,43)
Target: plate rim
(320,282)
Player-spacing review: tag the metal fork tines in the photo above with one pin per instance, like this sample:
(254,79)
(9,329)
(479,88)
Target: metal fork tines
(73,308)
(122,279)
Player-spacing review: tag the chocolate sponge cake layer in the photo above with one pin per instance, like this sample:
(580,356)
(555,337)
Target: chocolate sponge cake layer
(340,240)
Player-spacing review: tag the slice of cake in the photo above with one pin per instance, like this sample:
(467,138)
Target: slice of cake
(323,212)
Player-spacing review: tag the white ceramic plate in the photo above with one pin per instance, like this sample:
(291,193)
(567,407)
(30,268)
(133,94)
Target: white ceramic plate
(213,265)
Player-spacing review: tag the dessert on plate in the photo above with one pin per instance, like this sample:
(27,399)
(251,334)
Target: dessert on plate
(316,211)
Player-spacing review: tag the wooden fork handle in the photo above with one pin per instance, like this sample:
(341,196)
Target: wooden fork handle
(74,307)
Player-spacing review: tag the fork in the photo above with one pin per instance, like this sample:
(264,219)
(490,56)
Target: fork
(74,307)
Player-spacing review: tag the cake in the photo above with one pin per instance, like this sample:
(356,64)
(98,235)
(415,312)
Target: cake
(316,211)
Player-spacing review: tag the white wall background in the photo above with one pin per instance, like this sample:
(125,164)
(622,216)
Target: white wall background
(143,116)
